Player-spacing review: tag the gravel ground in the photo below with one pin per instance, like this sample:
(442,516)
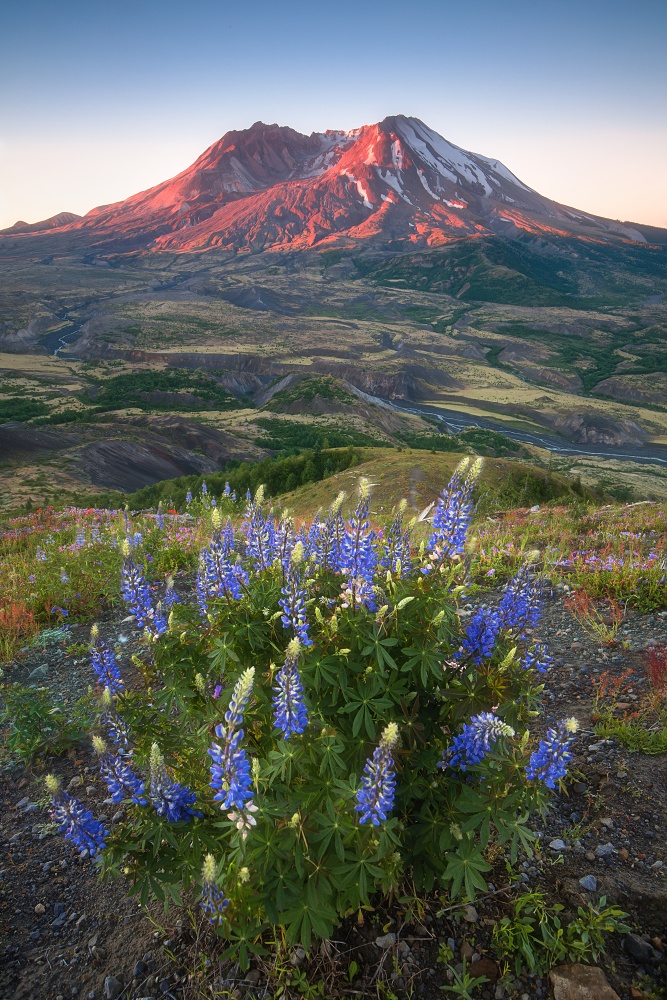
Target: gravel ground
(62,934)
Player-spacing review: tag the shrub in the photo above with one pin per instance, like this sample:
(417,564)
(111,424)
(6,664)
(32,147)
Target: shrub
(320,728)
(36,726)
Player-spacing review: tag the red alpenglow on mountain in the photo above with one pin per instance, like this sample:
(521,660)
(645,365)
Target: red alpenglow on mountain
(271,188)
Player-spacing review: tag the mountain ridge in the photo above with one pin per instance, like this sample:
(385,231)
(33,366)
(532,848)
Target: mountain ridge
(397,184)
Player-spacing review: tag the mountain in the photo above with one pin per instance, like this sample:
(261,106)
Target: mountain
(396,184)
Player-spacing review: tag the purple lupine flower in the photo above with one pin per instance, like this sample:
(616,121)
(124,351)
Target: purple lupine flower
(396,549)
(284,542)
(119,776)
(375,798)
(230,770)
(293,600)
(213,900)
(451,518)
(289,709)
(481,634)
(520,604)
(134,588)
(227,490)
(549,762)
(169,798)
(204,489)
(80,538)
(64,578)
(103,662)
(473,744)
(537,658)
(75,821)
(159,517)
(40,554)
(188,496)
(358,557)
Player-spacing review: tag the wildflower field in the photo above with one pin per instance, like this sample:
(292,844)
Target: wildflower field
(322,717)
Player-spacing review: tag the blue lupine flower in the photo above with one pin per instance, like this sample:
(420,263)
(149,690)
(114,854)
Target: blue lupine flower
(230,770)
(188,496)
(134,588)
(169,798)
(481,634)
(80,538)
(115,725)
(204,489)
(103,662)
(330,537)
(284,542)
(293,600)
(289,709)
(64,578)
(201,586)
(549,762)
(224,576)
(474,743)
(227,490)
(259,532)
(451,518)
(358,557)
(159,517)
(213,900)
(520,604)
(119,776)
(40,554)
(396,549)
(75,821)
(537,658)
(375,798)
(157,623)
(170,596)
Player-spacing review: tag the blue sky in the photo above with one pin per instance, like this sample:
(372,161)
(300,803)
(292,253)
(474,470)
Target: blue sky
(100,100)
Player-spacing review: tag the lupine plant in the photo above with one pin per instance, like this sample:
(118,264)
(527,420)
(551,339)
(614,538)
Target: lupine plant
(319,725)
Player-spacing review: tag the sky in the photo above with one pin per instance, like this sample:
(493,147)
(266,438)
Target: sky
(100,100)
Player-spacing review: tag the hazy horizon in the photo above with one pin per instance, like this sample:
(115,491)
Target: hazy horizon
(101,103)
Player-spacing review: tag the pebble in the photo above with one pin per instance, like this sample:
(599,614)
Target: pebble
(588,882)
(557,845)
(604,850)
(39,673)
(386,941)
(112,987)
(640,949)
(470,914)
(656,866)
(40,909)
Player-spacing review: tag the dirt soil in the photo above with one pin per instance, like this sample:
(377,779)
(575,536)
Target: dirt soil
(63,934)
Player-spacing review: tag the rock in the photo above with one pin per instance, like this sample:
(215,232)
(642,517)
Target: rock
(74,782)
(657,943)
(466,951)
(40,909)
(403,948)
(298,955)
(253,976)
(608,822)
(112,988)
(140,969)
(588,882)
(623,853)
(656,866)
(58,908)
(23,802)
(386,941)
(486,967)
(557,845)
(641,950)
(39,673)
(580,982)
(589,856)
(470,914)
(604,850)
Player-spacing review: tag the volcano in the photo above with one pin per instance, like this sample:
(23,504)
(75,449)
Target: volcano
(269,188)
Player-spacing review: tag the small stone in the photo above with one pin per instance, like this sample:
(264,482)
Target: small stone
(39,673)
(90,790)
(623,854)
(403,948)
(165,985)
(298,955)
(140,969)
(656,866)
(608,822)
(657,943)
(385,941)
(557,845)
(253,976)
(470,914)
(74,782)
(40,909)
(112,987)
(23,803)
(604,850)
(580,982)
(588,882)
(486,967)
(641,950)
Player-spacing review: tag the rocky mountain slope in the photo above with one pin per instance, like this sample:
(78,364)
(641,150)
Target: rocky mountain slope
(394,183)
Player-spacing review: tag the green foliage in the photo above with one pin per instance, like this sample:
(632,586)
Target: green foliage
(307,389)
(19,408)
(647,733)
(538,936)
(289,436)
(197,390)
(279,475)
(36,726)
(463,983)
